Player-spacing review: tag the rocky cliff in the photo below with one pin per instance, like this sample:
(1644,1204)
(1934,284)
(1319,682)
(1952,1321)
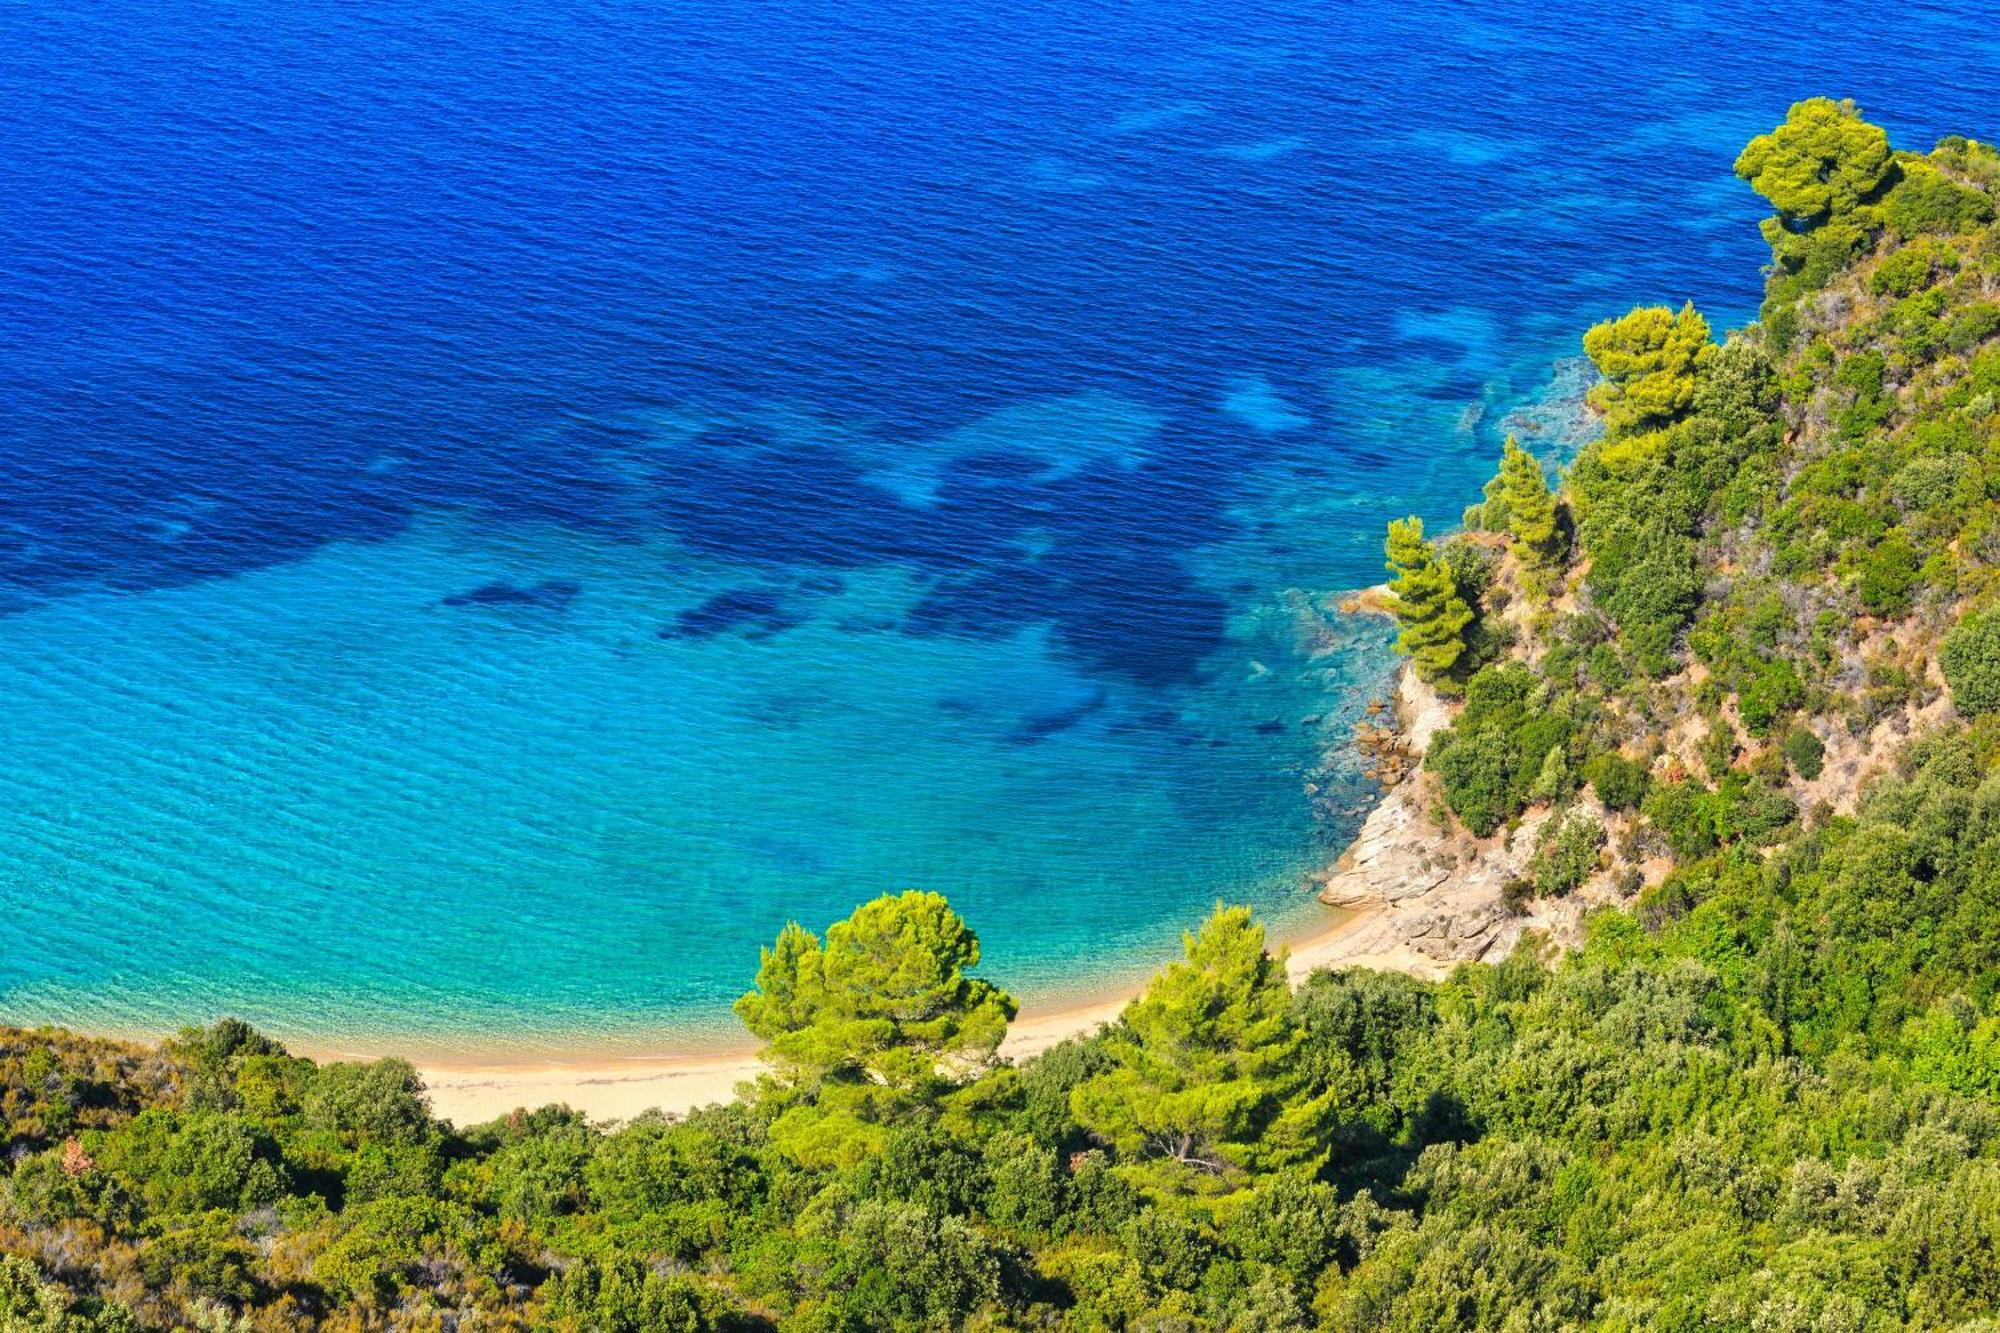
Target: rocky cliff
(1434,887)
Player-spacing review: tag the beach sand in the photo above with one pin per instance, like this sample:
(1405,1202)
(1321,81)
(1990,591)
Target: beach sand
(620,1088)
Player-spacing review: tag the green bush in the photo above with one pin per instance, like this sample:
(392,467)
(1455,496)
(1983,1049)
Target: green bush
(1805,752)
(1567,853)
(1971,662)
(1767,692)
(1685,813)
(1748,810)
(382,1100)
(1926,200)
(1904,271)
(1490,759)
(1619,782)
(1889,577)
(1972,325)
(621,1296)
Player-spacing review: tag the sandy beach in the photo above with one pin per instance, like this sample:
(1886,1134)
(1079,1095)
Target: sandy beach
(619,1088)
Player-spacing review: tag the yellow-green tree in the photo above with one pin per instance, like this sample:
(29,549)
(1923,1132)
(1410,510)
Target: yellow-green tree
(1650,359)
(1823,162)
(1425,600)
(880,1018)
(1207,1070)
(1531,508)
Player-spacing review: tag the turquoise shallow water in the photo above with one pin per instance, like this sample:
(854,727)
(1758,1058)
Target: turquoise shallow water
(361,802)
(501,508)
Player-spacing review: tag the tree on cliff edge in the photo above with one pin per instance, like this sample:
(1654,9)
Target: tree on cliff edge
(1822,163)
(1424,599)
(1531,509)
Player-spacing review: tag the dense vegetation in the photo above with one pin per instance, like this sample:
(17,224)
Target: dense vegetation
(1766,1096)
(1774,542)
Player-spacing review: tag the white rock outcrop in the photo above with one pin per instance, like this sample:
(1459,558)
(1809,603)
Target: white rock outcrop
(1439,890)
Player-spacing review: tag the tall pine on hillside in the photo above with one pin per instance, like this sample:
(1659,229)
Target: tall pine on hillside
(1424,599)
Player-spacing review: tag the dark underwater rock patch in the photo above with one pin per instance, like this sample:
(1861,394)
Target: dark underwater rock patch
(1040,726)
(755,613)
(550,594)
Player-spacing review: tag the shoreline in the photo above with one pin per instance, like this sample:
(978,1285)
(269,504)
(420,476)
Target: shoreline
(1362,933)
(471,1092)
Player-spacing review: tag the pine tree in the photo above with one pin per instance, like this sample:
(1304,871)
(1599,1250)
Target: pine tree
(1651,360)
(873,1024)
(1207,1070)
(1531,509)
(1424,599)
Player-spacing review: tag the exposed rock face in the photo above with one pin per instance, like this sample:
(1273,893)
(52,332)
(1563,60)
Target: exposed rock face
(1442,888)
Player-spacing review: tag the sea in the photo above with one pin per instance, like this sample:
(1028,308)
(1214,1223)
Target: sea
(503,506)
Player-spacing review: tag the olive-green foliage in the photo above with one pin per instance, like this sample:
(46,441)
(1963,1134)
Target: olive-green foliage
(622,1295)
(1910,269)
(1425,600)
(1805,752)
(1566,853)
(1970,659)
(1972,325)
(897,1267)
(1489,760)
(1888,579)
(1619,782)
(1695,819)
(383,1101)
(1357,1027)
(669,1188)
(387,1247)
(1743,641)
(1926,200)
(192,1162)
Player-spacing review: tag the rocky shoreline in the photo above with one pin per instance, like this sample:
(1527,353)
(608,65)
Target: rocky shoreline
(1435,892)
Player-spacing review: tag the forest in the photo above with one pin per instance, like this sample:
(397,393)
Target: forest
(1762,1095)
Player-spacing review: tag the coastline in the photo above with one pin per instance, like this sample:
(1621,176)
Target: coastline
(469,1093)
(1366,929)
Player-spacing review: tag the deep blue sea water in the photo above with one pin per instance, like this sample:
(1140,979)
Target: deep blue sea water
(501,506)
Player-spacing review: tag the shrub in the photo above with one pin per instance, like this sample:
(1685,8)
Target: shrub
(1926,200)
(1889,577)
(382,1100)
(1907,270)
(1489,760)
(1751,811)
(622,1296)
(1685,813)
(1567,853)
(1619,782)
(1767,692)
(1972,326)
(1971,662)
(1805,752)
